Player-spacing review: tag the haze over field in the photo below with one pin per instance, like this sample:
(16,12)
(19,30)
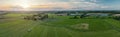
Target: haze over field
(59,5)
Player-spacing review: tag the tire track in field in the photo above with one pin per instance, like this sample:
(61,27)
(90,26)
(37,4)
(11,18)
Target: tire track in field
(9,27)
(48,31)
(34,29)
(23,30)
(55,30)
(113,26)
(69,33)
(38,30)
(16,29)
(44,33)
(51,32)
(62,33)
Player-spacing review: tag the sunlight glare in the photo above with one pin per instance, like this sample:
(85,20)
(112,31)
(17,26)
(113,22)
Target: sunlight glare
(25,6)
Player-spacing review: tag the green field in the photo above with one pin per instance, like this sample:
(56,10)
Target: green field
(60,26)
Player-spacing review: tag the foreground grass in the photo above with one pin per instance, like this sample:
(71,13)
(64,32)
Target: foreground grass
(59,27)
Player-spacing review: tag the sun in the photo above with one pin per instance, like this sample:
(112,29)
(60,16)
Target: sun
(25,6)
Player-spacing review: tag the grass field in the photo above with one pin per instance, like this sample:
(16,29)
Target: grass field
(15,26)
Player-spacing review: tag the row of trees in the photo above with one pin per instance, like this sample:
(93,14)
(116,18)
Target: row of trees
(36,17)
(116,17)
(81,16)
(85,15)
(2,15)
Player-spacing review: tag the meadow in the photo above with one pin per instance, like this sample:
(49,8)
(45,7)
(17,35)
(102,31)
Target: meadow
(60,26)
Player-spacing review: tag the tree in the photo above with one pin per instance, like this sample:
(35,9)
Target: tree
(117,18)
(83,15)
(68,14)
(75,17)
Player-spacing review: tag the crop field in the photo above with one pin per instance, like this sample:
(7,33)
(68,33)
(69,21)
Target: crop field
(13,25)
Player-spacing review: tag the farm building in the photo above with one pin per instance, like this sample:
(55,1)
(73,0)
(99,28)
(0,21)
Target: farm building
(116,15)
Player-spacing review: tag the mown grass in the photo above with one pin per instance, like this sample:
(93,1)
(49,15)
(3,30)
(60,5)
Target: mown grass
(60,26)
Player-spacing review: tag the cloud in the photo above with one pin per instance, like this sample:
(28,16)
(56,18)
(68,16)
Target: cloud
(65,4)
(76,0)
(85,5)
(94,0)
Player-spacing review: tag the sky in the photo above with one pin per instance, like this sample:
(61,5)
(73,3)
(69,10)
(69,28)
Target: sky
(59,5)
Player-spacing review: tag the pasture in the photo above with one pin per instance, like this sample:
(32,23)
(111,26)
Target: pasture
(61,26)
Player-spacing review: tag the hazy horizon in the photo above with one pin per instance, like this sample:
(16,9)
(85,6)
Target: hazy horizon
(52,5)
